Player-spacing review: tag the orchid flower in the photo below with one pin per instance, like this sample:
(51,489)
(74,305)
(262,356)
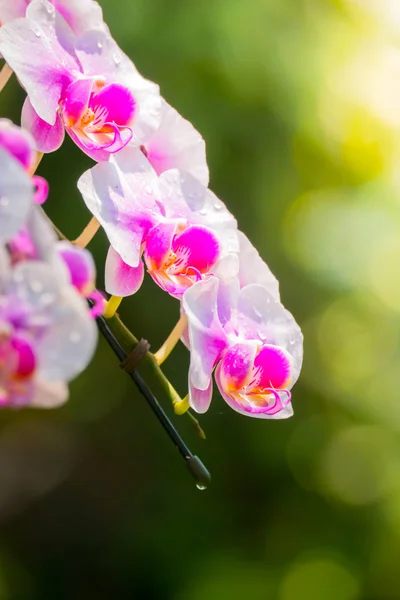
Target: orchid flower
(83,84)
(37,241)
(177,145)
(17,187)
(179,226)
(246,335)
(47,335)
(81,15)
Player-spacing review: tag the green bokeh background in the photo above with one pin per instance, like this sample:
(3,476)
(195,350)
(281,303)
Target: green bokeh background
(298,103)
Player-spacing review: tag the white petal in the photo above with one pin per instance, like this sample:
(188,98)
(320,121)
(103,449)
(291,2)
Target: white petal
(68,345)
(16,196)
(253,269)
(177,145)
(49,394)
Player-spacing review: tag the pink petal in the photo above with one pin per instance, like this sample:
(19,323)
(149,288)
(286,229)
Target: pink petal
(26,360)
(117,101)
(200,400)
(17,142)
(158,245)
(120,278)
(272,368)
(245,408)
(206,337)
(48,138)
(80,265)
(76,100)
(42,189)
(236,366)
(196,247)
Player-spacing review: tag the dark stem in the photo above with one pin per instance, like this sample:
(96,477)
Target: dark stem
(194,464)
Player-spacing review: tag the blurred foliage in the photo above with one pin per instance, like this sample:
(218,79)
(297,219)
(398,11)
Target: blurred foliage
(299,102)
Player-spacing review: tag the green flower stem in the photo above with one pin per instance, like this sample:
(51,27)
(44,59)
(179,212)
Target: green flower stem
(128,341)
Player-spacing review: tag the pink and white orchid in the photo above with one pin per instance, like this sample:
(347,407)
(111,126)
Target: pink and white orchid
(83,84)
(247,336)
(47,334)
(17,187)
(179,226)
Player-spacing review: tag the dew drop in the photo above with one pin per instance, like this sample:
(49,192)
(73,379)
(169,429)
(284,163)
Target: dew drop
(37,31)
(202,212)
(200,486)
(217,205)
(50,8)
(99,45)
(148,189)
(117,58)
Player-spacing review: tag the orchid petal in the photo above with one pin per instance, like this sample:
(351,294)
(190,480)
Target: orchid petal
(262,317)
(120,278)
(80,266)
(200,400)
(195,247)
(109,199)
(206,336)
(42,36)
(48,138)
(117,100)
(49,394)
(16,196)
(254,412)
(17,142)
(76,100)
(236,367)
(272,368)
(98,53)
(68,345)
(158,245)
(177,145)
(253,269)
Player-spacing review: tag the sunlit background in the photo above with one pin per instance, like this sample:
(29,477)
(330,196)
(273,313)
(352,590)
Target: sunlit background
(299,102)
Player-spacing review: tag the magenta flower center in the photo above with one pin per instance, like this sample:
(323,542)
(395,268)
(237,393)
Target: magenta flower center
(98,113)
(254,378)
(178,256)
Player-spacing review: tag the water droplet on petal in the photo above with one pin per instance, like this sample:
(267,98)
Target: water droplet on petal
(202,212)
(116,58)
(50,8)
(217,204)
(37,31)
(99,45)
(148,189)
(200,486)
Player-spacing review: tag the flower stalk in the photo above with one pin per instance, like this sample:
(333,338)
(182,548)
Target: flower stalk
(5,75)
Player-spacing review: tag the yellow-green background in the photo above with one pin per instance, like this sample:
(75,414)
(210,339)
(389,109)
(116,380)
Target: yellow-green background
(299,102)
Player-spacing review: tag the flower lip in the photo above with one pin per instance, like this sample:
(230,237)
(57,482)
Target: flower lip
(256,377)
(178,256)
(100,115)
